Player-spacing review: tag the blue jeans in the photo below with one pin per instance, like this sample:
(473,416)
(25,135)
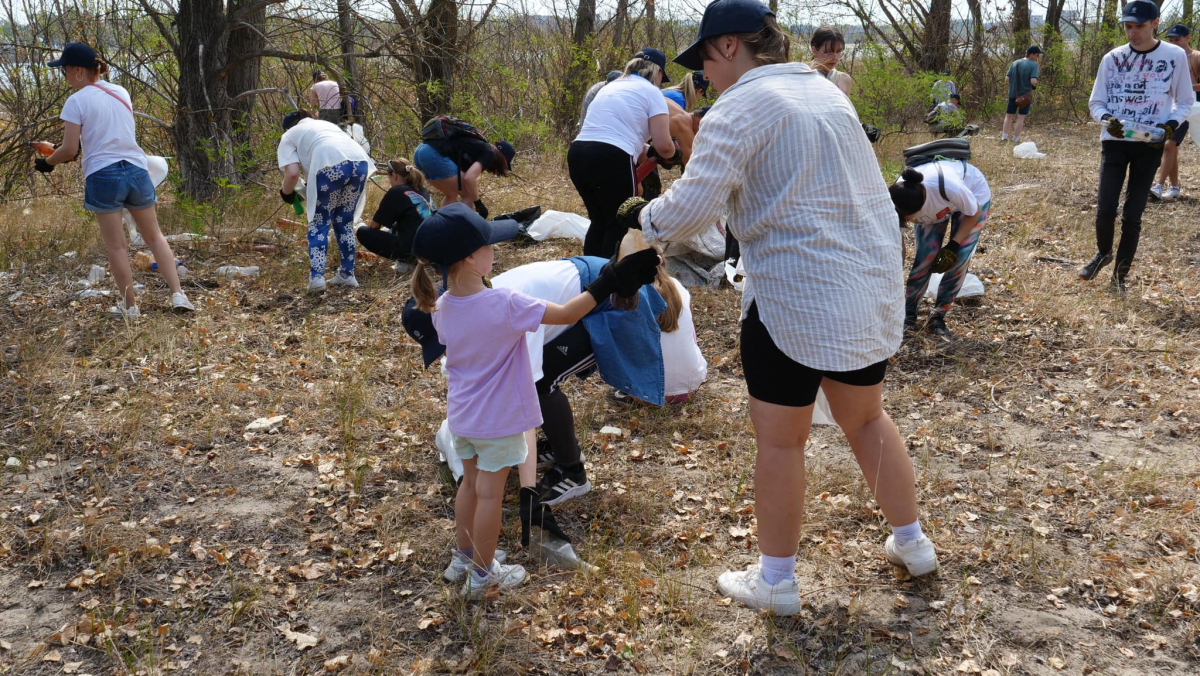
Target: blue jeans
(118,186)
(338,190)
(433,164)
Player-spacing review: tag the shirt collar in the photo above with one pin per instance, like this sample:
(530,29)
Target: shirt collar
(772,70)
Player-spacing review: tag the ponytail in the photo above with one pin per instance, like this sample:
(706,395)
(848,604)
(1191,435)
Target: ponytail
(423,288)
(413,176)
(668,319)
(908,193)
(101,68)
(688,88)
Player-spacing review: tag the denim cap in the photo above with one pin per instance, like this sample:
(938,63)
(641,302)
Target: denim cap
(1179,31)
(455,231)
(419,326)
(76,54)
(1139,11)
(656,57)
(723,17)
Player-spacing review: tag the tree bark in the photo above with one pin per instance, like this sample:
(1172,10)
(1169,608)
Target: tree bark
(979,79)
(651,23)
(621,19)
(1187,12)
(203,131)
(437,54)
(349,81)
(1020,28)
(937,36)
(579,69)
(245,38)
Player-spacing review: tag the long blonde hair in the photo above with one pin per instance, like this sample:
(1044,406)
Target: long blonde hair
(688,89)
(668,319)
(644,67)
(423,288)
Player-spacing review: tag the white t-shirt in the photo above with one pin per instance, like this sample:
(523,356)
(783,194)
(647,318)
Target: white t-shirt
(966,193)
(620,114)
(552,281)
(108,130)
(684,367)
(316,144)
(329,94)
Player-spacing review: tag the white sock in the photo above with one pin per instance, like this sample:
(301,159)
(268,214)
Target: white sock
(1003,137)
(903,535)
(775,569)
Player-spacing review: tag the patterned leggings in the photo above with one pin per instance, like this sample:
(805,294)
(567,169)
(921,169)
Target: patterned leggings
(929,243)
(339,188)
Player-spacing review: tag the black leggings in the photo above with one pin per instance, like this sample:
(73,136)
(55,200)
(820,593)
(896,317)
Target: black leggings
(568,354)
(382,243)
(603,176)
(1141,161)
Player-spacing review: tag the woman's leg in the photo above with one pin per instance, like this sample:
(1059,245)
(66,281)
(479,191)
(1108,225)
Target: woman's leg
(485,530)
(449,189)
(953,279)
(344,195)
(781,432)
(377,242)
(877,447)
(147,224)
(465,505)
(583,176)
(113,231)
(928,243)
(318,243)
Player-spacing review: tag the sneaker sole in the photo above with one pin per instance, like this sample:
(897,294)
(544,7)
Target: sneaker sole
(573,492)
(456,575)
(918,568)
(781,609)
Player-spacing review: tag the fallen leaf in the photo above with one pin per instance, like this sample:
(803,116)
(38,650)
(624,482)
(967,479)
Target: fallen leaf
(737,532)
(5,645)
(1058,663)
(339,663)
(52,656)
(302,641)
(968,667)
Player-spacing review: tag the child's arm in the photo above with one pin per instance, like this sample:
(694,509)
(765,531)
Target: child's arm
(573,311)
(625,276)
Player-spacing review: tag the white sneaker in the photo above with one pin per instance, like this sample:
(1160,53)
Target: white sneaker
(501,575)
(1016,139)
(1156,191)
(400,267)
(1004,137)
(750,589)
(119,310)
(316,285)
(917,556)
(342,279)
(459,566)
(1172,193)
(180,303)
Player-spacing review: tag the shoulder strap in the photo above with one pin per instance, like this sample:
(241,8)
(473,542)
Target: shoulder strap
(941,180)
(127,106)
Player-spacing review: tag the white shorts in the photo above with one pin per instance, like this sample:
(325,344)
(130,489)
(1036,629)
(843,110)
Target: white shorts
(492,454)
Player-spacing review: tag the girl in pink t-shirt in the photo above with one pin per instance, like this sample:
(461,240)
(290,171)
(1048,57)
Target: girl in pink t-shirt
(491,399)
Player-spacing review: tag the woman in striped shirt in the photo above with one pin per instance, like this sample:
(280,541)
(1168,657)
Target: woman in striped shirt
(823,302)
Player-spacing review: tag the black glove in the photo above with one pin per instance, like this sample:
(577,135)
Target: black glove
(667,162)
(289,198)
(533,512)
(873,133)
(1114,126)
(481,209)
(42,165)
(626,276)
(947,257)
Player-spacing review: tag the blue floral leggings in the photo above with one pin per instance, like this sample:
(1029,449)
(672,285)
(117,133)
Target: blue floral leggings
(929,243)
(339,188)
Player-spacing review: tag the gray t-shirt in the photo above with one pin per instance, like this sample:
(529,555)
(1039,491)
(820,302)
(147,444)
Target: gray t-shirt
(587,99)
(1019,75)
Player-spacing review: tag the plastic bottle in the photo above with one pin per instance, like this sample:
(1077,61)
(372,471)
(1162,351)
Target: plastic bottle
(1147,133)
(154,264)
(96,274)
(236,271)
(559,553)
(43,148)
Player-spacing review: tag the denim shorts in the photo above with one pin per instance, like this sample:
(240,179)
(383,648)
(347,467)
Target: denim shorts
(493,454)
(118,186)
(433,164)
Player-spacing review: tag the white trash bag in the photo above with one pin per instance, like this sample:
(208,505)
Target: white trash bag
(445,446)
(559,225)
(821,413)
(1027,151)
(971,286)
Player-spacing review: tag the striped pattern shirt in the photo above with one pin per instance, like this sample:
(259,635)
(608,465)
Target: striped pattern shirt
(783,153)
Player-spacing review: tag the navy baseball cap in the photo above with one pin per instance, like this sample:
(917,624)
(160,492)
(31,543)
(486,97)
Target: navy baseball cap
(700,81)
(1139,11)
(1179,31)
(1034,49)
(419,326)
(723,17)
(656,57)
(76,54)
(455,231)
(507,150)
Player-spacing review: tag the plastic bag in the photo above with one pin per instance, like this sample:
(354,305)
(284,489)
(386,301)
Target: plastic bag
(445,446)
(821,413)
(1027,151)
(560,225)
(971,286)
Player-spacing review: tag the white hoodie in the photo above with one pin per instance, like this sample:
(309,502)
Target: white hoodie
(1148,87)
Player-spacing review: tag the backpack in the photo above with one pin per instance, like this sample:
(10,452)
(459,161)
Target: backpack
(454,138)
(942,149)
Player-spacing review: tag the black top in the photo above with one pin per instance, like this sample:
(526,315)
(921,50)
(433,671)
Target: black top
(467,151)
(402,210)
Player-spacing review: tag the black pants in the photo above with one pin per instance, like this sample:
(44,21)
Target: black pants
(382,243)
(568,354)
(603,176)
(1116,158)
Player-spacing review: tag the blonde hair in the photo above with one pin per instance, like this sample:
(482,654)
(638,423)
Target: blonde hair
(668,319)
(644,67)
(769,44)
(99,69)
(413,176)
(423,288)
(688,89)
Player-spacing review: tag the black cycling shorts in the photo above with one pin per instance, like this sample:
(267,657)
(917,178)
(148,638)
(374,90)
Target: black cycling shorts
(773,377)
(1180,134)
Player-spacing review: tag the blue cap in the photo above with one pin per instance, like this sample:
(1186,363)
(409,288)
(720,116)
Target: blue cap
(455,231)
(700,81)
(76,54)
(1139,11)
(507,150)
(292,118)
(419,326)
(656,57)
(723,17)
(1179,31)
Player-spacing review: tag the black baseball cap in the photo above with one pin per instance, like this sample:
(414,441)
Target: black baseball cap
(455,231)
(1034,49)
(76,54)
(292,118)
(700,81)
(1139,11)
(419,325)
(1179,31)
(656,57)
(507,150)
(723,17)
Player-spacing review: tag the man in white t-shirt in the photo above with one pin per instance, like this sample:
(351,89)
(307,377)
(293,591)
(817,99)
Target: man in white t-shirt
(326,96)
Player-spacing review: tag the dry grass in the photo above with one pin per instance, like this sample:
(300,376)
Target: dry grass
(1055,441)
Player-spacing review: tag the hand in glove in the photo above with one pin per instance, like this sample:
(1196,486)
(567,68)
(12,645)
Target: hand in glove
(1168,129)
(667,162)
(626,276)
(481,209)
(289,198)
(629,212)
(42,165)
(1114,126)
(533,512)
(947,257)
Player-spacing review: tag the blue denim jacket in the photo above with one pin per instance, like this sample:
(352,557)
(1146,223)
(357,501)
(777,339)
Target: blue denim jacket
(627,345)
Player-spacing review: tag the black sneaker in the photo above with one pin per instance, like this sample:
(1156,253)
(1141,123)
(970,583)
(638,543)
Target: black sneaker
(545,456)
(1118,284)
(1088,272)
(910,323)
(558,486)
(937,326)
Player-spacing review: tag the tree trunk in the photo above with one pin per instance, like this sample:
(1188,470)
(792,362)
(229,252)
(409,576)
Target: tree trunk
(1053,30)
(979,79)
(244,39)
(203,130)
(1187,12)
(579,70)
(651,23)
(621,19)
(349,80)
(937,36)
(1020,28)
(436,58)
